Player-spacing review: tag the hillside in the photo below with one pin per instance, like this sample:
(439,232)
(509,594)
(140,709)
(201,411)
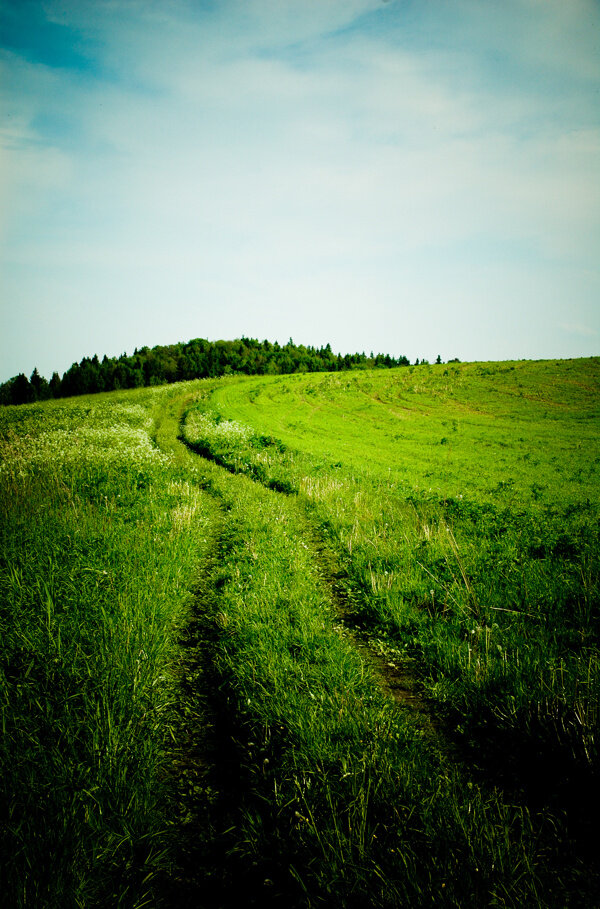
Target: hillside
(334,635)
(525,431)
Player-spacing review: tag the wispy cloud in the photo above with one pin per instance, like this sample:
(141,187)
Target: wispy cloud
(576,328)
(263,167)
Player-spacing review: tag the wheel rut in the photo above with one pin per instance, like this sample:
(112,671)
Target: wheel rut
(202,773)
(204,763)
(195,759)
(394,672)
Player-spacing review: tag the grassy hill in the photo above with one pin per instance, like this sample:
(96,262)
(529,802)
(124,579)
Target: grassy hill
(341,642)
(459,429)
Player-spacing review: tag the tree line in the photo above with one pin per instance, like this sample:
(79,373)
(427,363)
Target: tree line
(196,359)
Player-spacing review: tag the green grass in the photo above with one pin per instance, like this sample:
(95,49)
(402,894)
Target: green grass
(347,799)
(490,573)
(493,590)
(98,547)
(495,432)
(451,512)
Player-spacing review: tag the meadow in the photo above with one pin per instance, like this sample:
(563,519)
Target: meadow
(334,635)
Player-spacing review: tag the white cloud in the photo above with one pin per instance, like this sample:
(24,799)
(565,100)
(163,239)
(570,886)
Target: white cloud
(576,328)
(248,152)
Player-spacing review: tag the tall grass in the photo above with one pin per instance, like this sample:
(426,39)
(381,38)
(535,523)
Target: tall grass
(495,588)
(98,548)
(493,591)
(347,801)
(457,507)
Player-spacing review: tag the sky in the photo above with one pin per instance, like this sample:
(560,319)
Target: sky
(413,177)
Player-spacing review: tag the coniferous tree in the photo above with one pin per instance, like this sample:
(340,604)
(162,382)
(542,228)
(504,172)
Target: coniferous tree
(39,386)
(22,392)
(196,359)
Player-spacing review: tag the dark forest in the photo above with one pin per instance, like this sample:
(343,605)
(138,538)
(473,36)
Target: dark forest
(196,359)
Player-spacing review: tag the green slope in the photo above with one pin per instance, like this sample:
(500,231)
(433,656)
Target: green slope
(530,430)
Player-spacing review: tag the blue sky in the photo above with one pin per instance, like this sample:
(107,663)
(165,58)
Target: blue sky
(414,177)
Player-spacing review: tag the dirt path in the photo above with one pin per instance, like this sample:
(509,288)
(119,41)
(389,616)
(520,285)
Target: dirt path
(201,761)
(394,672)
(198,812)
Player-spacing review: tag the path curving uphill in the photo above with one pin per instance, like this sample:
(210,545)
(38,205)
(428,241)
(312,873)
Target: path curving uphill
(339,787)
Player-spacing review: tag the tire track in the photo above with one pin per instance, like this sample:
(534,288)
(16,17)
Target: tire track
(394,673)
(203,775)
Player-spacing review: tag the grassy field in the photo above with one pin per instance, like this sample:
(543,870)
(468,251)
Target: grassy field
(342,644)
(101,536)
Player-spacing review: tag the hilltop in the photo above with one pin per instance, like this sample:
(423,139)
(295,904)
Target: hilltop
(195,359)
